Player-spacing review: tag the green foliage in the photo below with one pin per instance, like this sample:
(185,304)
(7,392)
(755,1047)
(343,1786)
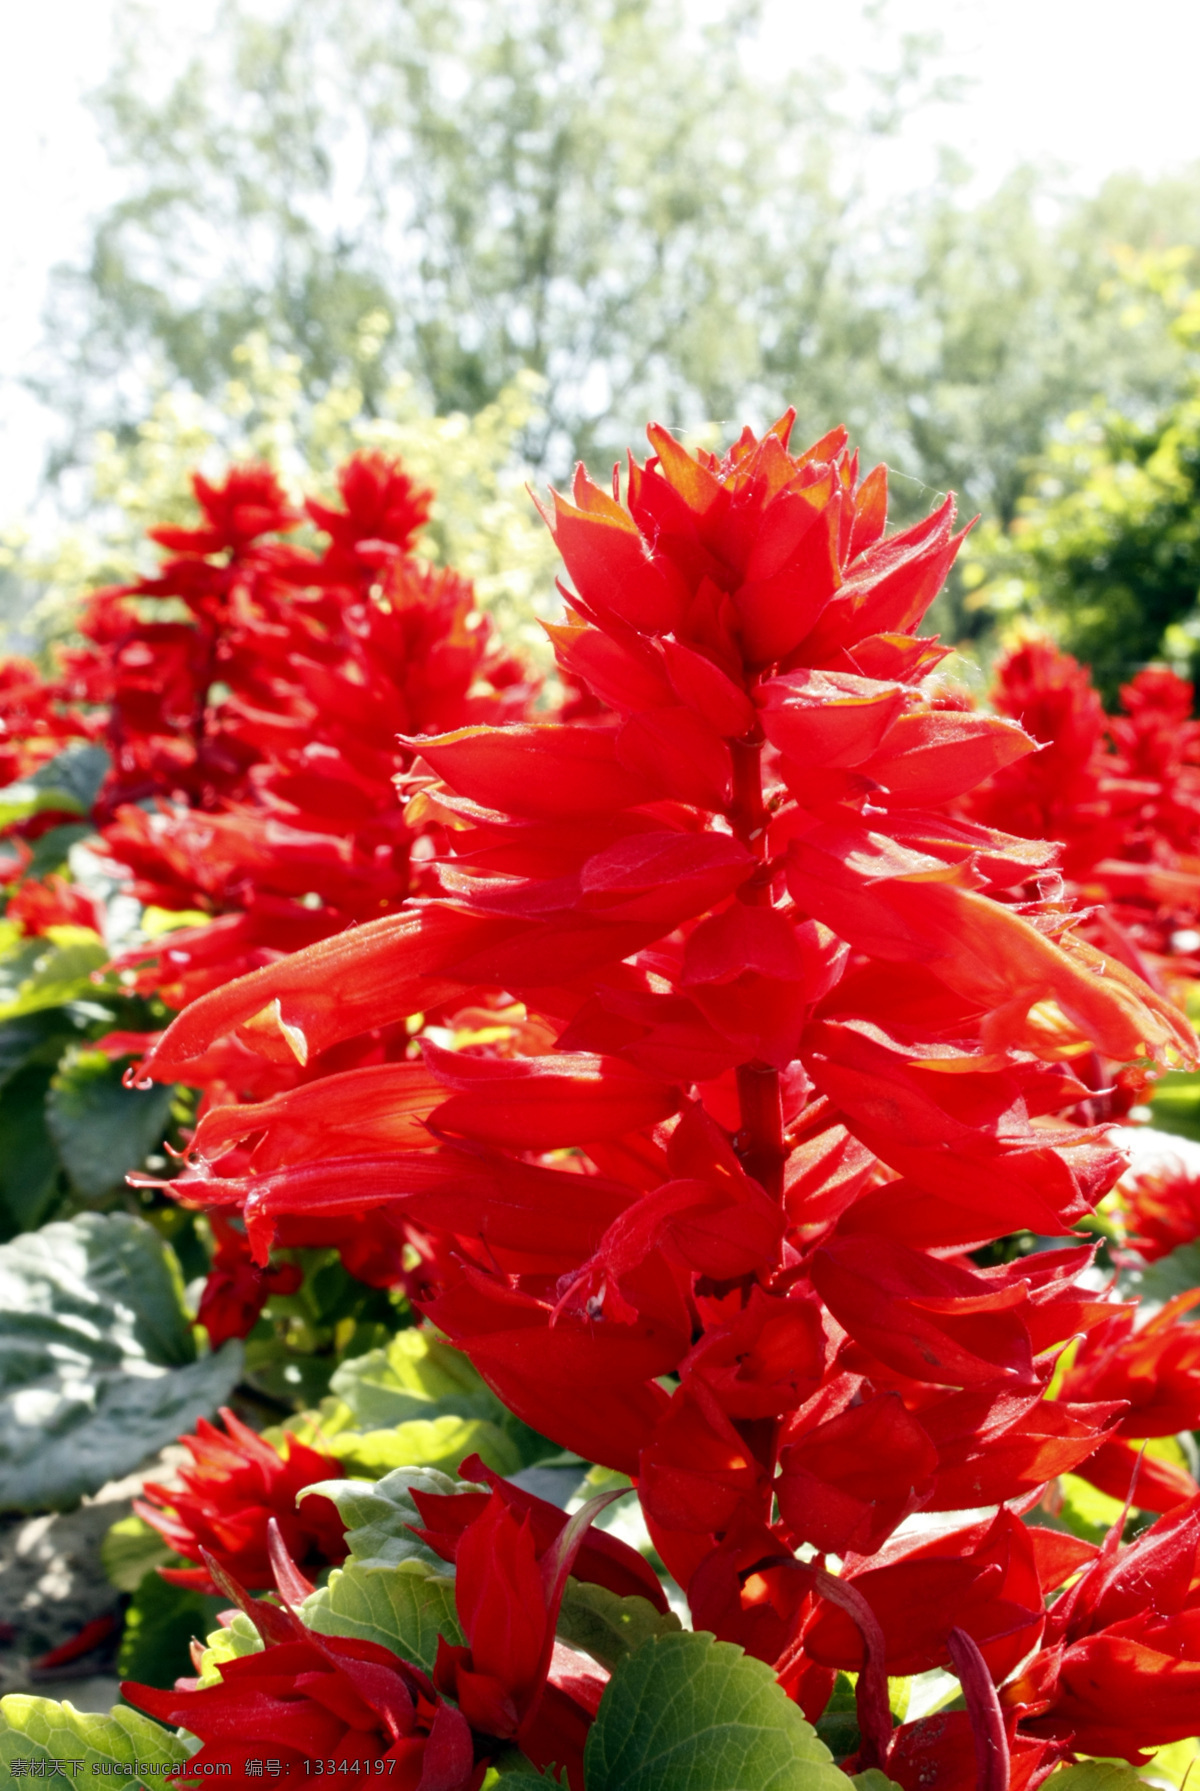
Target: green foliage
(98,1367)
(379,1515)
(1098,1775)
(29,1167)
(102,1129)
(67,784)
(233,1640)
(442,1443)
(114,1745)
(421,1384)
(483,523)
(686,1713)
(1175,1104)
(131,1549)
(45,972)
(609,1627)
(1104,549)
(405,1612)
(160,1624)
(418,1375)
(837,1724)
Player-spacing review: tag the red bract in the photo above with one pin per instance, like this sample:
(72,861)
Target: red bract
(1156,1372)
(775,1040)
(236,1484)
(237,1289)
(1119,1672)
(349,1704)
(1161,1208)
(1122,793)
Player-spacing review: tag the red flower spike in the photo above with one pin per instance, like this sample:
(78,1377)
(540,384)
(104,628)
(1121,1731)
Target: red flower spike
(739,1044)
(236,1484)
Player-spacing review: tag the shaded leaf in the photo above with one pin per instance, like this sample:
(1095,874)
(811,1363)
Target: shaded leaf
(131,1549)
(102,1129)
(159,1627)
(97,1360)
(607,1626)
(29,1166)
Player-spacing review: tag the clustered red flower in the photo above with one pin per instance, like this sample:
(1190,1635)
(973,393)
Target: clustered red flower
(1121,792)
(330,1698)
(236,1483)
(739,1035)
(254,763)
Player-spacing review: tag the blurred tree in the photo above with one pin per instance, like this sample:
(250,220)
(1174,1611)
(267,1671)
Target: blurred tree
(600,191)
(1104,548)
(482,522)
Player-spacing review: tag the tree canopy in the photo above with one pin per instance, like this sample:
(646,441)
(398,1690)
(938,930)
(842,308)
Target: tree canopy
(605,192)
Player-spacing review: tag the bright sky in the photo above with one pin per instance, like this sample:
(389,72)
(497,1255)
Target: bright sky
(1083,84)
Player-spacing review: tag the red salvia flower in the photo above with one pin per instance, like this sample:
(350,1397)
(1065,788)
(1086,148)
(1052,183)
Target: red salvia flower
(234,1486)
(350,1704)
(806,1036)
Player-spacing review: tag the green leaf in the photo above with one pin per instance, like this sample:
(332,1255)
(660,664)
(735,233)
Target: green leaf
(416,1376)
(131,1549)
(1160,1281)
(69,783)
(47,971)
(837,1724)
(97,1361)
(1086,1511)
(115,1746)
(37,1036)
(874,1780)
(405,1612)
(1098,1775)
(29,1167)
(378,1515)
(102,1129)
(607,1626)
(687,1713)
(230,1642)
(160,1625)
(442,1443)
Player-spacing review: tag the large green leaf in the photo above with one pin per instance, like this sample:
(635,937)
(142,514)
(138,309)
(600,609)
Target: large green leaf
(687,1713)
(102,1129)
(416,1376)
(29,1166)
(405,1612)
(378,1516)
(97,1361)
(68,783)
(128,1749)
(607,1626)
